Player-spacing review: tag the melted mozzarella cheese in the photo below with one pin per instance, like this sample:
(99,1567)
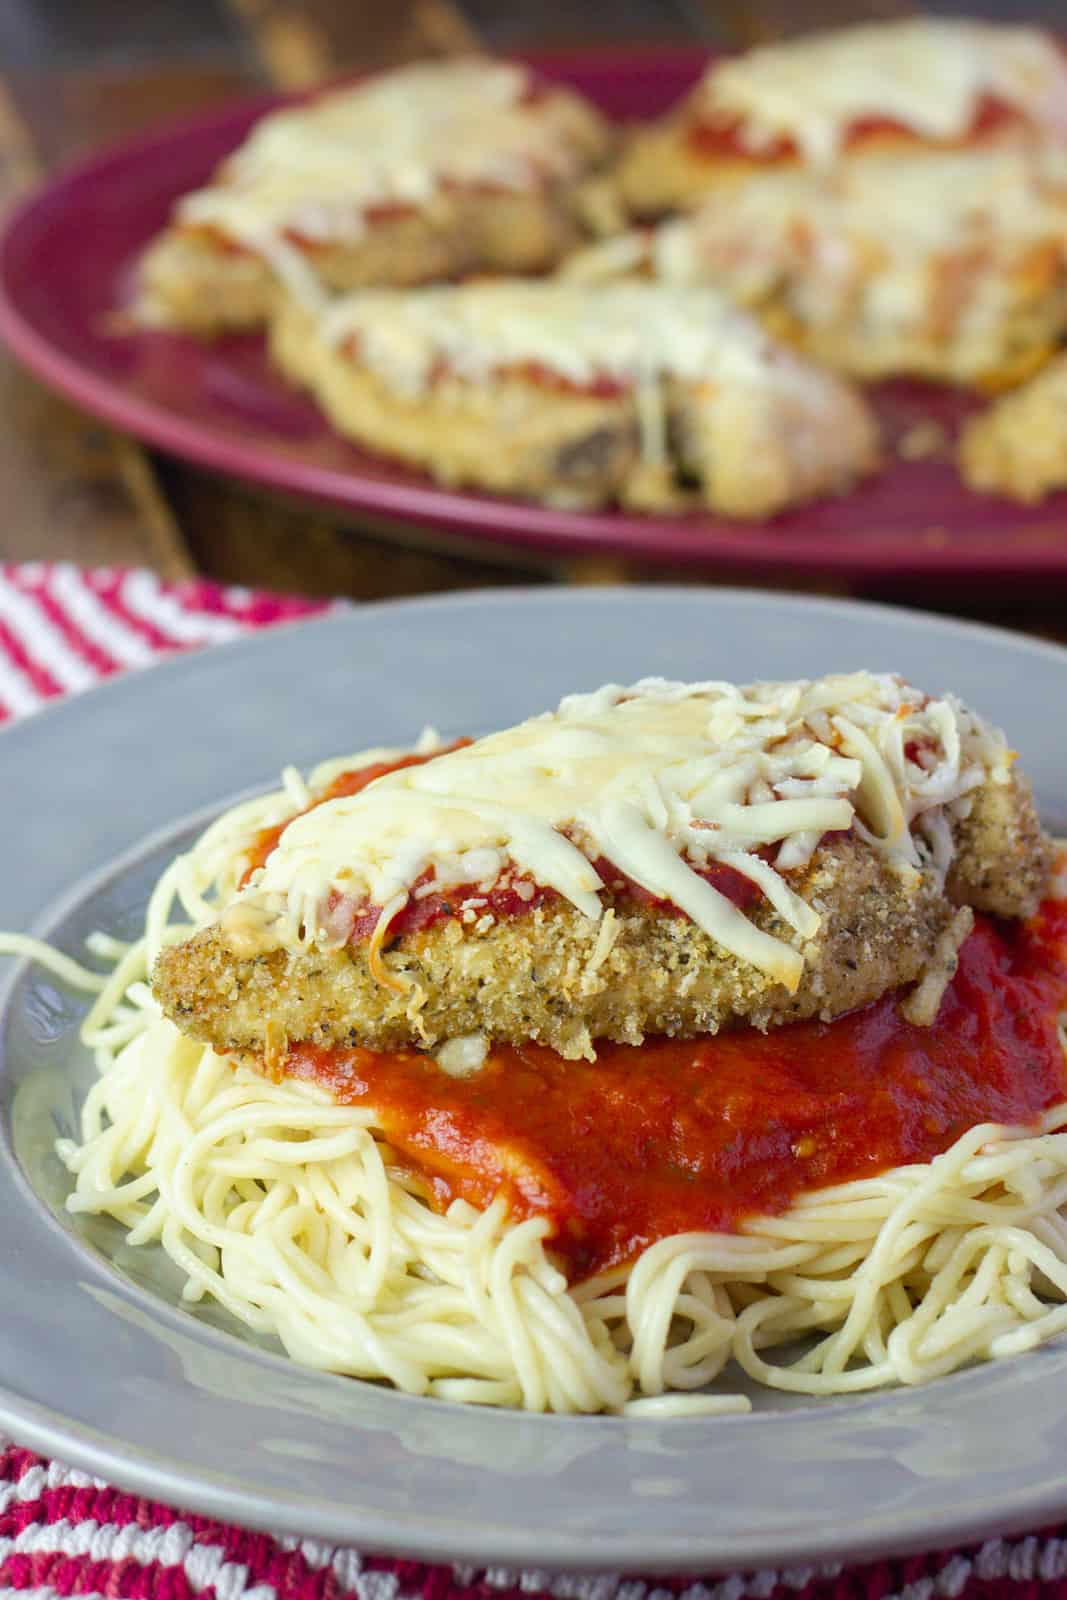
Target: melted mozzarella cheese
(876,229)
(662,779)
(628,333)
(930,75)
(317,169)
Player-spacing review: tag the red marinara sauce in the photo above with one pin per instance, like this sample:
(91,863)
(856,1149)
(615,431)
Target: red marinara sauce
(676,1136)
(724,140)
(516,894)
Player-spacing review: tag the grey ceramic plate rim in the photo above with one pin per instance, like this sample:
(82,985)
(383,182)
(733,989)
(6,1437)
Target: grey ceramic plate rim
(850,1532)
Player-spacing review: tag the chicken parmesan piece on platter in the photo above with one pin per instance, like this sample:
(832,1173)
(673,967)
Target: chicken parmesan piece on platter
(428,172)
(949,265)
(666,859)
(914,85)
(646,395)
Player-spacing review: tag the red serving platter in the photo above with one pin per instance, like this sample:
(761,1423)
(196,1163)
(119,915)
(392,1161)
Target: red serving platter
(67,260)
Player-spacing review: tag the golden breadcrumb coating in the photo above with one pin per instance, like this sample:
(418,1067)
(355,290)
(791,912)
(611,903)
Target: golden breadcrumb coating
(1003,856)
(1018,447)
(659,172)
(556,976)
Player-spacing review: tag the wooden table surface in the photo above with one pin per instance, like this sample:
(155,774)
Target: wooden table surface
(78,73)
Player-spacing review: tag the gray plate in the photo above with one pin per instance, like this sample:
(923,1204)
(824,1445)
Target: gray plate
(98,1363)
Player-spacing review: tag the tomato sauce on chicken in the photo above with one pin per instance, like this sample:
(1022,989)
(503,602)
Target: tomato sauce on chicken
(724,139)
(514,894)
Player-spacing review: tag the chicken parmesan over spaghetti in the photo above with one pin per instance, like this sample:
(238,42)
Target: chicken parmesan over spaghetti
(663,859)
(565,1067)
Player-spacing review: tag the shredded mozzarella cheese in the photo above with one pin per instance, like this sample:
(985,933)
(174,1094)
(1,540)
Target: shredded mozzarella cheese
(661,779)
(632,334)
(871,241)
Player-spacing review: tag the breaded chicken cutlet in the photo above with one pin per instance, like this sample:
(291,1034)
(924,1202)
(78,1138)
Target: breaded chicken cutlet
(666,859)
(847,95)
(647,395)
(425,173)
(948,265)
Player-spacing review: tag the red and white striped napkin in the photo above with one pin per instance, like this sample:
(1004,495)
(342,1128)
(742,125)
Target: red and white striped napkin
(62,1532)
(63,628)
